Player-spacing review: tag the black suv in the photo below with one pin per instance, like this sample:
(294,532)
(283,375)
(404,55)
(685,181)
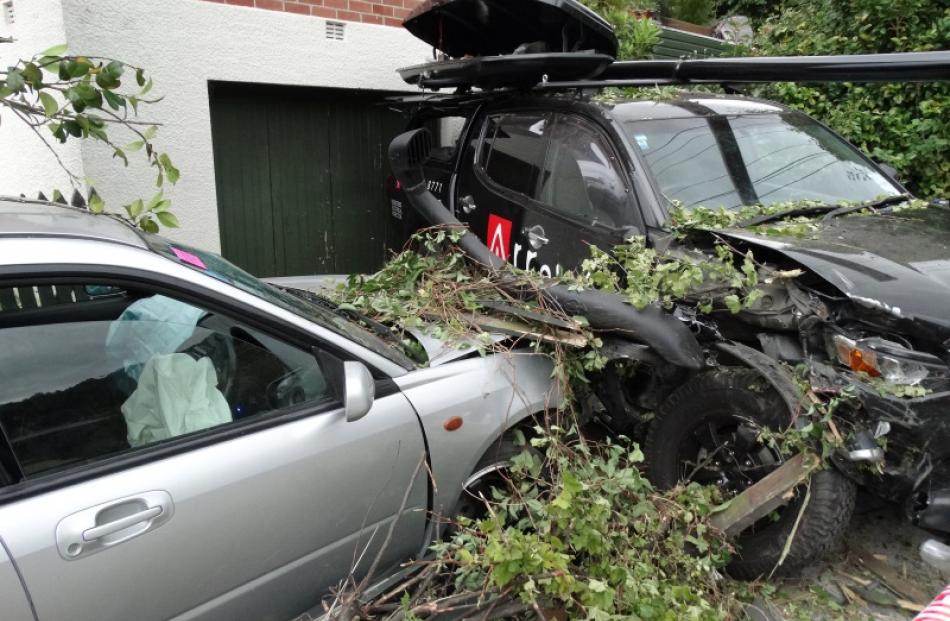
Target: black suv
(540,171)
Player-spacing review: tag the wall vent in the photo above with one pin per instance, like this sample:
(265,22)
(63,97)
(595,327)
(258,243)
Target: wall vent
(6,7)
(336,30)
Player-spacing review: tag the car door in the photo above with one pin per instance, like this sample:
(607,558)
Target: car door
(584,198)
(173,460)
(544,187)
(499,176)
(16,606)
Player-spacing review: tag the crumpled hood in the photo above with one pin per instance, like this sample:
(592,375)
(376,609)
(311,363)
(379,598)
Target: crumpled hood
(897,263)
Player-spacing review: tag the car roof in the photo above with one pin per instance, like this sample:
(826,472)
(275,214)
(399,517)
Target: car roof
(690,105)
(21,217)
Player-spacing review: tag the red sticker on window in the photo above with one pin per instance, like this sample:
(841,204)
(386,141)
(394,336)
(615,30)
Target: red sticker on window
(499,236)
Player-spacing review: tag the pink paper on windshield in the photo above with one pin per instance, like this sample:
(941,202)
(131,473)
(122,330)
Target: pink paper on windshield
(190,259)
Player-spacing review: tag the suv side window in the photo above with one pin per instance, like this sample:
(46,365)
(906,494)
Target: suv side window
(106,374)
(581,178)
(446,134)
(513,150)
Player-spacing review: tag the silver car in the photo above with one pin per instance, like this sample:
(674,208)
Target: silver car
(181,440)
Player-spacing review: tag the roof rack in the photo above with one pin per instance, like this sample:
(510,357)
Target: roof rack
(595,71)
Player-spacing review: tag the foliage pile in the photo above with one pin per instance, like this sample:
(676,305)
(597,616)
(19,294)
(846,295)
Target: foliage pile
(86,97)
(902,124)
(581,531)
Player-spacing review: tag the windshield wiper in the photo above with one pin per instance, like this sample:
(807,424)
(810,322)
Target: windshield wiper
(810,210)
(878,204)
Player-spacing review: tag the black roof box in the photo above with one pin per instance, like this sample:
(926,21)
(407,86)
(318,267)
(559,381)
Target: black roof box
(462,28)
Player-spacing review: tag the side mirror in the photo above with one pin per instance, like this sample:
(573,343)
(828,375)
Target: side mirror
(359,390)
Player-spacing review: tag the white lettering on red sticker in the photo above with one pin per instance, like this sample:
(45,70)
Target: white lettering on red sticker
(499,236)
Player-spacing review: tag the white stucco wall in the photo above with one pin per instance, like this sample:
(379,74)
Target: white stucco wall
(184,44)
(26,165)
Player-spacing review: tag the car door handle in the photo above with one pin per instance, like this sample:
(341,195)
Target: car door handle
(100,527)
(111,528)
(468,204)
(536,237)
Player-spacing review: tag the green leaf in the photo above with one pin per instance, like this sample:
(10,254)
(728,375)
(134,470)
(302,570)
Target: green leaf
(140,77)
(115,69)
(15,81)
(149,226)
(5,92)
(168,219)
(149,133)
(49,103)
(146,88)
(171,172)
(33,75)
(115,102)
(96,204)
(135,146)
(136,208)
(152,204)
(50,65)
(56,50)
(733,303)
(78,68)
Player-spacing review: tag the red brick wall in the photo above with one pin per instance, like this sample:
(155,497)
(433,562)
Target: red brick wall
(386,12)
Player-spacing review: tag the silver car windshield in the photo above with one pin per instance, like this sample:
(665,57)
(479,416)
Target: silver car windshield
(763,158)
(221,269)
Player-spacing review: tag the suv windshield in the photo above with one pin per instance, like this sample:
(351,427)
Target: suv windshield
(219,268)
(753,159)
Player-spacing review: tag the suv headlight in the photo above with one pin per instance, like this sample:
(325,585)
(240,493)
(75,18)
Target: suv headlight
(888,360)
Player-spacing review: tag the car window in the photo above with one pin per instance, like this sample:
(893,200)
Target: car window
(513,149)
(580,176)
(104,375)
(446,132)
(728,161)
(221,269)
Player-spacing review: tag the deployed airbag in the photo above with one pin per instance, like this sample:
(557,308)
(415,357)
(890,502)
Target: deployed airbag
(176,394)
(148,327)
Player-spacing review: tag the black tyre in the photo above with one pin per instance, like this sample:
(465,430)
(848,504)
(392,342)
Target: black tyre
(707,431)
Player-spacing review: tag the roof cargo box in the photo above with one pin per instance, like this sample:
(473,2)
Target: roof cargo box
(463,28)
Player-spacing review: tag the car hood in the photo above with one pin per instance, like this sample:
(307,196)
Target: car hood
(896,263)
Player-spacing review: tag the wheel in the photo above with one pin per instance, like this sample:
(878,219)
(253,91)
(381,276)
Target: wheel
(489,473)
(708,431)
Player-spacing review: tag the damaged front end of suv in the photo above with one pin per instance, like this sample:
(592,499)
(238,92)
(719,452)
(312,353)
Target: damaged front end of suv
(867,317)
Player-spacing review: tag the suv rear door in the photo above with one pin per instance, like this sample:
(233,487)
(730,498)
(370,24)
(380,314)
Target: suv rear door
(541,187)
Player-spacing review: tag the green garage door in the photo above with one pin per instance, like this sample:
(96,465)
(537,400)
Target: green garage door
(300,177)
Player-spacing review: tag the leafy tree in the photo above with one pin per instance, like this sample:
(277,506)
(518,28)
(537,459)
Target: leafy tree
(637,35)
(906,125)
(69,97)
